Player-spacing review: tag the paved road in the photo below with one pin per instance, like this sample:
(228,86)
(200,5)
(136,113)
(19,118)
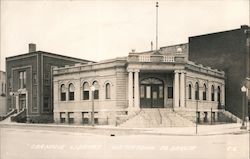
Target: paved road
(44,144)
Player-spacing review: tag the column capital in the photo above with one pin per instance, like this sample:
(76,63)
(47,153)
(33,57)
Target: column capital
(133,70)
(136,70)
(129,70)
(177,71)
(183,71)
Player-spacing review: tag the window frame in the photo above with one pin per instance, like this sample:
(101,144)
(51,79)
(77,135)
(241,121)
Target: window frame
(108,90)
(71,93)
(63,93)
(85,92)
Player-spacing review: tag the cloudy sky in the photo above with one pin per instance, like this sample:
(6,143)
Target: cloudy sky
(98,30)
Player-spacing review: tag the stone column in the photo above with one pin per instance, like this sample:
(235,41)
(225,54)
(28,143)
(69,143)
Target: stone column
(176,89)
(209,97)
(130,89)
(215,94)
(222,95)
(136,90)
(77,86)
(182,89)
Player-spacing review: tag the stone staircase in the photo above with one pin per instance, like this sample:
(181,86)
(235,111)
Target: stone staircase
(10,113)
(226,116)
(147,118)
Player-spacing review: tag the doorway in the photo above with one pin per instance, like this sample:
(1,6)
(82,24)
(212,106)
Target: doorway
(151,93)
(22,101)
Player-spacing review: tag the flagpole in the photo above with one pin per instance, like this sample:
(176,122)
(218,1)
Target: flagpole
(156,43)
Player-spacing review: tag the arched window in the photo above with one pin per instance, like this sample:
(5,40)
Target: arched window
(196,91)
(71,92)
(96,92)
(212,93)
(189,91)
(85,92)
(63,92)
(108,91)
(205,92)
(218,95)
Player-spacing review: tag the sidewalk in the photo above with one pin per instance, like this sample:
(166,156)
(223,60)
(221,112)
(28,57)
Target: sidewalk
(203,130)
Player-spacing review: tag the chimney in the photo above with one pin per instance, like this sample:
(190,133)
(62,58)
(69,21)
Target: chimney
(32,47)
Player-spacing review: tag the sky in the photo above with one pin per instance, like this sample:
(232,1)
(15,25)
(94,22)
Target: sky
(99,30)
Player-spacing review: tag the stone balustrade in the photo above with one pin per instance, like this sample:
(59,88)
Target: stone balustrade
(155,58)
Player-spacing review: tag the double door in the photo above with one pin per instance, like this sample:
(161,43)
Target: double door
(152,96)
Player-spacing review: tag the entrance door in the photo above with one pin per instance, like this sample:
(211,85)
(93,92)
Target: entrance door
(151,93)
(22,101)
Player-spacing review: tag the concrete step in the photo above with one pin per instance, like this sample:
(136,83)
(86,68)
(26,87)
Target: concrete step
(156,118)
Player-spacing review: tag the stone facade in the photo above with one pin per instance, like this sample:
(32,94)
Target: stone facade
(163,79)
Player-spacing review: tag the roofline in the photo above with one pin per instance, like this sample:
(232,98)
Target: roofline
(219,32)
(48,53)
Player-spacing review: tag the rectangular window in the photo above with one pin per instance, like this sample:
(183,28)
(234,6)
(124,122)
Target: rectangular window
(85,95)
(96,94)
(170,92)
(71,95)
(204,96)
(148,92)
(63,96)
(22,79)
(212,96)
(85,118)
(96,118)
(196,95)
(71,118)
(62,117)
(154,95)
(142,92)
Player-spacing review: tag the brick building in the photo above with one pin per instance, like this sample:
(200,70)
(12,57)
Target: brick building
(227,51)
(2,93)
(30,79)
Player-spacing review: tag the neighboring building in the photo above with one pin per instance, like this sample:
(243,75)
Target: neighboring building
(164,81)
(2,93)
(30,83)
(227,51)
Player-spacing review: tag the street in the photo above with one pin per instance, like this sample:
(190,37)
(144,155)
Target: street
(41,144)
